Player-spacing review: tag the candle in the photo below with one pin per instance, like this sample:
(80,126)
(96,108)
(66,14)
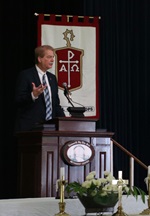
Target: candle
(57,184)
(119,174)
(148,175)
(62,178)
(62,172)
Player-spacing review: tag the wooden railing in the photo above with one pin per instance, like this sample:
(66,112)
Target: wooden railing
(132,159)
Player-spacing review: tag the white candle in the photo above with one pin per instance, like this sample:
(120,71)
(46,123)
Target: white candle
(119,174)
(57,184)
(148,171)
(62,172)
(62,178)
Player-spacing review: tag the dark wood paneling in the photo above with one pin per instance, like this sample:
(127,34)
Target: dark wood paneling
(40,160)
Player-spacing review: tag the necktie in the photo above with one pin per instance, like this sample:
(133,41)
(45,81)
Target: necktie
(47,100)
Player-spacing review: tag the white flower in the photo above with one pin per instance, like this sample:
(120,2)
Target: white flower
(103,180)
(97,182)
(114,188)
(93,193)
(104,193)
(91,175)
(106,173)
(110,188)
(86,184)
(102,186)
(108,176)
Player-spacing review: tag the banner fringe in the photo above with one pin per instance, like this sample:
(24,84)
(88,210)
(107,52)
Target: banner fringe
(68,16)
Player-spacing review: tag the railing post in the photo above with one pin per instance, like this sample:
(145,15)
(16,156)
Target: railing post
(111,157)
(131,171)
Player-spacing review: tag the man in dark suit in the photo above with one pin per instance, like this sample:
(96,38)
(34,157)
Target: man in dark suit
(30,101)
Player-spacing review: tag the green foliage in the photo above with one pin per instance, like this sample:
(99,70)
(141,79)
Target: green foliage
(75,187)
(102,188)
(135,191)
(93,190)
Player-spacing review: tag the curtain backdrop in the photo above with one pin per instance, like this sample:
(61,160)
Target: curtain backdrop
(123,75)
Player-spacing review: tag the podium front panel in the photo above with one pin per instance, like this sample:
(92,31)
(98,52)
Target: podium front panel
(39,160)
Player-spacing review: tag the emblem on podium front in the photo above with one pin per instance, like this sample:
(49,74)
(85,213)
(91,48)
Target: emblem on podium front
(77,153)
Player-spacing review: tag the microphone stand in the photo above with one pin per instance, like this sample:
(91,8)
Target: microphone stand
(68,98)
(74,111)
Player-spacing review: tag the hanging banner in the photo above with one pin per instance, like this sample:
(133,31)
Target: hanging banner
(76,43)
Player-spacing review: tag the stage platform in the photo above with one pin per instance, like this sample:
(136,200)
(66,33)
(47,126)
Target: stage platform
(50,207)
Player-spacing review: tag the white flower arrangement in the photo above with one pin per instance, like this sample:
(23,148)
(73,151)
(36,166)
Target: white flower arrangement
(101,187)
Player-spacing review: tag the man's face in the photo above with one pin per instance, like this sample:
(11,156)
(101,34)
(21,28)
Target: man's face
(47,61)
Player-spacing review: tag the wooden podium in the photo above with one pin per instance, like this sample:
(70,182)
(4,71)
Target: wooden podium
(39,155)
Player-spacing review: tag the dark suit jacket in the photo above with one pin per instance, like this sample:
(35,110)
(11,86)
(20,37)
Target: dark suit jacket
(29,112)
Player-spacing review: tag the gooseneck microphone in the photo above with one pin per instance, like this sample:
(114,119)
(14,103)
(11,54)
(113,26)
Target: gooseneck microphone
(74,111)
(67,93)
(66,90)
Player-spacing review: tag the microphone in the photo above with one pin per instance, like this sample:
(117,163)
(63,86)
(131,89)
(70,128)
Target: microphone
(66,90)
(74,111)
(67,93)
